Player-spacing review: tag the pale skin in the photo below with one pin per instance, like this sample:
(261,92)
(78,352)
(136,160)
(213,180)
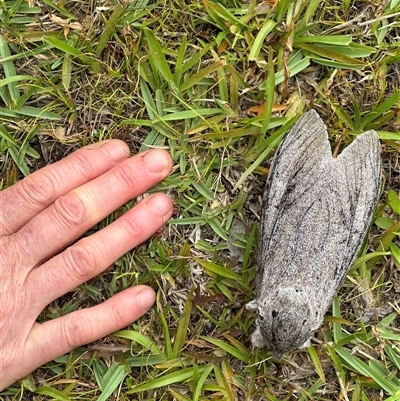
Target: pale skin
(40,217)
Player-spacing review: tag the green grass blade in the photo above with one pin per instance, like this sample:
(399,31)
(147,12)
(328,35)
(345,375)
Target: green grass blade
(140,339)
(201,381)
(267,27)
(160,102)
(329,54)
(157,54)
(394,201)
(109,29)
(335,64)
(179,61)
(203,190)
(380,109)
(6,135)
(294,68)
(273,140)
(361,367)
(38,113)
(16,78)
(364,258)
(182,329)
(384,243)
(269,93)
(62,10)
(18,160)
(66,72)
(187,221)
(316,362)
(111,380)
(215,224)
(52,392)
(337,326)
(145,360)
(64,47)
(149,101)
(394,357)
(250,243)
(187,114)
(180,376)
(9,72)
(395,252)
(195,79)
(240,354)
(219,270)
(353,50)
(342,40)
(310,393)
(308,16)
(281,10)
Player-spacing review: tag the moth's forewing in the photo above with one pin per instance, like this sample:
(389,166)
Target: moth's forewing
(301,152)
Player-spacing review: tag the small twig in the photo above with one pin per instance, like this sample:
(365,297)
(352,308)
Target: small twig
(345,24)
(371,21)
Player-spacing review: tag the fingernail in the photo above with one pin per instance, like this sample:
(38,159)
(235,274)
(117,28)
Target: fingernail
(146,298)
(117,150)
(159,204)
(157,160)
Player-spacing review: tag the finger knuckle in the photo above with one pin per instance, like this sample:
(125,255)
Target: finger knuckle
(76,329)
(39,188)
(133,227)
(10,256)
(70,211)
(127,176)
(117,316)
(82,166)
(80,262)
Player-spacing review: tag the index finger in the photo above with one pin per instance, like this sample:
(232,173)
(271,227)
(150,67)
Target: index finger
(24,200)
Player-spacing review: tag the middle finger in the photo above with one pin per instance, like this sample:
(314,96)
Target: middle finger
(74,213)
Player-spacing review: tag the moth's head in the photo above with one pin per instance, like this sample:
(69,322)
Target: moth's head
(286,320)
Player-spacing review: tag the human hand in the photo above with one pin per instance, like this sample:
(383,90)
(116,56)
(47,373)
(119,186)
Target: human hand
(44,213)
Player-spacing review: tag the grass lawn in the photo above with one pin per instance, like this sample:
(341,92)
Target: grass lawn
(217,83)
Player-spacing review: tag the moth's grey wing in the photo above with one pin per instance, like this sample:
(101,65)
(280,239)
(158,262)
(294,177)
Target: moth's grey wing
(349,202)
(316,212)
(295,171)
(315,215)
(359,166)
(301,151)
